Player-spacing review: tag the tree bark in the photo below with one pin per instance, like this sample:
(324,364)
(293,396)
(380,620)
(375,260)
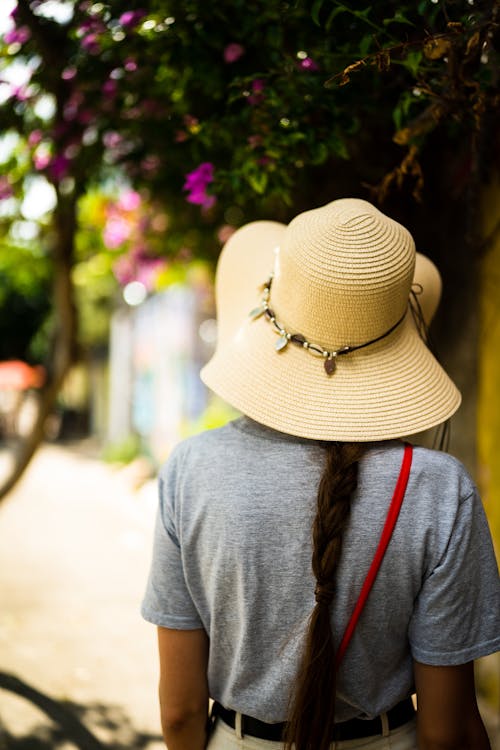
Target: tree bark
(63,346)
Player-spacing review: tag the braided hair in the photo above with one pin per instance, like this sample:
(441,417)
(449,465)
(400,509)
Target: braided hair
(311,717)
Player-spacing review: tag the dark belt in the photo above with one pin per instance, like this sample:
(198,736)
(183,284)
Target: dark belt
(345,730)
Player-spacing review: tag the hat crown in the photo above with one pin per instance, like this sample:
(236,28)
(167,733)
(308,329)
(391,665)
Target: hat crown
(343,274)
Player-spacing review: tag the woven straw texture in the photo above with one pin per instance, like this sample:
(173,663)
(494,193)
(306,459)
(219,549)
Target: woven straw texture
(343,276)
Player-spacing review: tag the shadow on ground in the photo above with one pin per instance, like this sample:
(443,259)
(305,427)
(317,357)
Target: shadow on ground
(88,727)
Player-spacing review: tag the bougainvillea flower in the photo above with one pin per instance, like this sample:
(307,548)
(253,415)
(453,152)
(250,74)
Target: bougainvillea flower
(308,64)
(90,43)
(58,167)
(196,185)
(35,137)
(130,65)
(109,87)
(257,88)
(116,231)
(68,73)
(233,52)
(5,188)
(131,18)
(17,36)
(112,139)
(129,200)
(41,160)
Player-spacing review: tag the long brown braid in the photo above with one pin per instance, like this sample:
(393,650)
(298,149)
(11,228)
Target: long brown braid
(311,718)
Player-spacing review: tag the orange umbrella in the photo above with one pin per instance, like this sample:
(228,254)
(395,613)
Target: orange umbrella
(16,375)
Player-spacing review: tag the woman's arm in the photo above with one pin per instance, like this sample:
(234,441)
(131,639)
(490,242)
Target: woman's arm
(183,687)
(447,716)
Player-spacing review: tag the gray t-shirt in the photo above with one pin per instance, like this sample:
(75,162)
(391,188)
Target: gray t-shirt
(232,554)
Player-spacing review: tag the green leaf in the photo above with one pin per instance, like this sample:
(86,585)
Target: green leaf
(363,14)
(257,181)
(315,11)
(398,17)
(412,62)
(335,12)
(365,45)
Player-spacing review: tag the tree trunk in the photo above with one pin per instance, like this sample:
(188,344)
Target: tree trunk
(63,346)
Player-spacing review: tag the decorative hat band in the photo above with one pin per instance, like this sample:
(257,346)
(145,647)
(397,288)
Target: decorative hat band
(285,337)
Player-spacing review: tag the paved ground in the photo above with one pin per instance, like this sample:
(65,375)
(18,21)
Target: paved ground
(74,553)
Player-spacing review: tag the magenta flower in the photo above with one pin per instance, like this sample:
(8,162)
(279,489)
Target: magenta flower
(308,64)
(90,43)
(131,18)
(58,167)
(109,87)
(233,52)
(5,189)
(17,36)
(257,88)
(196,185)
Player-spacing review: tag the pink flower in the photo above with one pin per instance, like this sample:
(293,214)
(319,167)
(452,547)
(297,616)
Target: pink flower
(196,185)
(130,200)
(257,88)
(111,139)
(5,189)
(116,231)
(17,36)
(68,74)
(34,138)
(180,136)
(124,270)
(131,18)
(20,93)
(41,160)
(233,52)
(147,271)
(90,43)
(308,64)
(130,65)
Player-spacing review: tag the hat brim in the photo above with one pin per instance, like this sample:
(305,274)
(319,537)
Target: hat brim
(389,389)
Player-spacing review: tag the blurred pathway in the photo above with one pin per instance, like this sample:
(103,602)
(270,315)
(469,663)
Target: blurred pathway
(74,554)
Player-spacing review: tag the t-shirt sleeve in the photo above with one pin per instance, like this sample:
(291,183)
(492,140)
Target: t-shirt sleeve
(456,616)
(167,601)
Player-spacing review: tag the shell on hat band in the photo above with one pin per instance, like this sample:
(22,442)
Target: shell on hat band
(329,356)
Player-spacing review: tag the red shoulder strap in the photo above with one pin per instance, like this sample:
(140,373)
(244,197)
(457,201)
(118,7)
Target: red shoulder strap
(390,522)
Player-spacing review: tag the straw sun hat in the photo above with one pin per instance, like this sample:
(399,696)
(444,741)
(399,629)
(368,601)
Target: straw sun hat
(331,350)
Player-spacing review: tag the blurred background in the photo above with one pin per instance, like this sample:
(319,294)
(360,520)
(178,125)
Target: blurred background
(134,139)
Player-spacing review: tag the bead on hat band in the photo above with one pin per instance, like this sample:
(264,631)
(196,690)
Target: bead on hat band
(285,337)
